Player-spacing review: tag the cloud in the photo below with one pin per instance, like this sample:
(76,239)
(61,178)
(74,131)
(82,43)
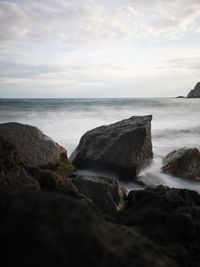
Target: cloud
(88,21)
(185,63)
(20,70)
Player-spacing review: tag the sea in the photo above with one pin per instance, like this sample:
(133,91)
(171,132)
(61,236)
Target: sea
(175,124)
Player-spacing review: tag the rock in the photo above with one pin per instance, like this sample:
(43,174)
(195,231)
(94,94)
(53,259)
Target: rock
(105,192)
(52,181)
(13,177)
(169,217)
(46,229)
(122,148)
(35,148)
(16,177)
(184,162)
(180,96)
(195,93)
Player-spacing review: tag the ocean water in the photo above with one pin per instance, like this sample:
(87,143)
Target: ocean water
(176,123)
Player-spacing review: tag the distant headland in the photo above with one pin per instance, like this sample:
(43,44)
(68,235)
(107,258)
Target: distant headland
(194,93)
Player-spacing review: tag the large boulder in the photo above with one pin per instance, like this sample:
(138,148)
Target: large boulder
(17,177)
(46,229)
(13,177)
(105,192)
(184,162)
(169,217)
(122,148)
(195,93)
(34,147)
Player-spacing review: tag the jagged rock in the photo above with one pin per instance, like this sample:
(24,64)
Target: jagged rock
(184,162)
(122,148)
(105,192)
(195,93)
(170,218)
(46,229)
(35,148)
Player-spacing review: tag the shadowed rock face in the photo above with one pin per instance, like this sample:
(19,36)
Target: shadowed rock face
(46,229)
(195,93)
(170,218)
(184,162)
(13,177)
(16,177)
(105,192)
(34,147)
(122,148)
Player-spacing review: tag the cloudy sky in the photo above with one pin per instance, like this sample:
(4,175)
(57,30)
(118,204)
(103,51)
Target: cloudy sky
(93,48)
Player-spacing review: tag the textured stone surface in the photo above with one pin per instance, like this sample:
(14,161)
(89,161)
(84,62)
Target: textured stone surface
(195,93)
(170,218)
(122,148)
(17,177)
(34,147)
(183,162)
(46,229)
(105,192)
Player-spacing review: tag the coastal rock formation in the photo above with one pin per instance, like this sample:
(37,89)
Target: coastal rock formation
(16,177)
(13,177)
(34,147)
(105,192)
(170,218)
(195,93)
(122,148)
(56,230)
(184,162)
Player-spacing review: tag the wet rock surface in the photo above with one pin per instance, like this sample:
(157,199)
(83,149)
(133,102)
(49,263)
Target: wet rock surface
(183,162)
(105,192)
(122,148)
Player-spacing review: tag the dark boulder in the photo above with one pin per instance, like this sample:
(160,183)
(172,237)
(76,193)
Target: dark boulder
(184,162)
(35,148)
(122,148)
(13,177)
(105,192)
(16,177)
(195,93)
(47,229)
(169,217)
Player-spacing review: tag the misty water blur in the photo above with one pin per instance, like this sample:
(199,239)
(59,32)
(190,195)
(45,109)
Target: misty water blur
(176,123)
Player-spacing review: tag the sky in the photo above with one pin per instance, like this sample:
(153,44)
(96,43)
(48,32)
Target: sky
(93,48)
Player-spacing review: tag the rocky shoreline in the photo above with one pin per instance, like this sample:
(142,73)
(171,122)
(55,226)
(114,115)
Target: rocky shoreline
(53,215)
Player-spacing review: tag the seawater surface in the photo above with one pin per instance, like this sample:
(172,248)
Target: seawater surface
(176,123)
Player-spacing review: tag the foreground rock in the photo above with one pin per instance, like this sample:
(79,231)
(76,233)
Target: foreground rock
(13,177)
(35,148)
(45,229)
(122,148)
(170,218)
(105,192)
(195,93)
(16,177)
(184,162)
